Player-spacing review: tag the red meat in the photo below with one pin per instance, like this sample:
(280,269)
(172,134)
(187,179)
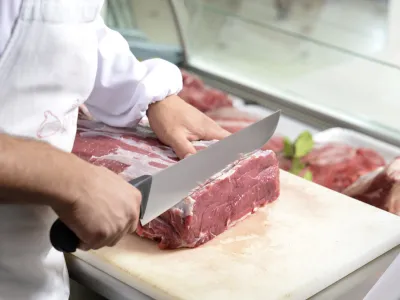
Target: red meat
(336,166)
(275,144)
(380,188)
(203,98)
(228,197)
(190,80)
(221,202)
(232,119)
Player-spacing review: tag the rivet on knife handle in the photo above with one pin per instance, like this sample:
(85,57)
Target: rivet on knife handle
(65,240)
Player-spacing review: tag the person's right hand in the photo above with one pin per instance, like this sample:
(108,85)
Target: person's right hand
(104,209)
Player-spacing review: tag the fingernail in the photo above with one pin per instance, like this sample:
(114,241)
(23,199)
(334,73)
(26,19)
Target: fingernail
(187,155)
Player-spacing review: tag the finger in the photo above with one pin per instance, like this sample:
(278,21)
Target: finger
(113,241)
(129,229)
(216,132)
(132,228)
(85,111)
(182,146)
(84,247)
(97,244)
(99,239)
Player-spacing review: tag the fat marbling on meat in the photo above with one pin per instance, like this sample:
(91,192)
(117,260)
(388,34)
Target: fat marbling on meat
(225,199)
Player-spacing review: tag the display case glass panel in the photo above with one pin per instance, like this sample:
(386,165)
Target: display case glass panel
(149,27)
(337,57)
(340,58)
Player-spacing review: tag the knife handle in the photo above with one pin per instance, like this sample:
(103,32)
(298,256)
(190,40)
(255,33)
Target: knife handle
(65,240)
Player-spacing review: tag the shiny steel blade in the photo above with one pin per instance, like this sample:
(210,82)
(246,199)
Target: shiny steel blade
(173,184)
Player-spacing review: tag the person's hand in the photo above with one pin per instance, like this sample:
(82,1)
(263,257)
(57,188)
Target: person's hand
(104,208)
(177,123)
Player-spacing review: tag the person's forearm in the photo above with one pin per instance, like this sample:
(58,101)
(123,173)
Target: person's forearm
(33,172)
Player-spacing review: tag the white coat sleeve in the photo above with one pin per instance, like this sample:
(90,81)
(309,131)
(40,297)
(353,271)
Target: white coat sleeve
(125,87)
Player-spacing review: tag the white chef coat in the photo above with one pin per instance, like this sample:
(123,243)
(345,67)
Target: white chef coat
(54,56)
(124,86)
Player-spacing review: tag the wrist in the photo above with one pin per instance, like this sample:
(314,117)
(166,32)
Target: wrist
(72,181)
(159,104)
(33,172)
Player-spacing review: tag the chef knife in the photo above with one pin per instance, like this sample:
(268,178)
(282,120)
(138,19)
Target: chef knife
(168,187)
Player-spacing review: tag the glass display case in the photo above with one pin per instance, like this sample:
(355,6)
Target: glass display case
(149,27)
(324,62)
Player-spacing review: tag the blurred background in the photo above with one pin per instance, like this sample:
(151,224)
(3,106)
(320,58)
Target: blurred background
(335,58)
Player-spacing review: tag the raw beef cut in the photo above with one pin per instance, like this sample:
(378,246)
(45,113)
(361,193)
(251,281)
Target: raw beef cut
(232,119)
(128,152)
(380,188)
(335,166)
(275,144)
(225,199)
(191,81)
(203,98)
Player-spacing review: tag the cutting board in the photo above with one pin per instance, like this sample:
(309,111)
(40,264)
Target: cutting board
(308,239)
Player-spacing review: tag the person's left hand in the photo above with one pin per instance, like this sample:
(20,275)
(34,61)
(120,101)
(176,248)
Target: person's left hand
(177,123)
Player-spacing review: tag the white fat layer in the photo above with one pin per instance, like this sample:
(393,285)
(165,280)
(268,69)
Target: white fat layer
(239,239)
(185,207)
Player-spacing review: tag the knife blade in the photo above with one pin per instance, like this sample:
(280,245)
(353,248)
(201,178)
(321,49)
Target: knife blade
(168,187)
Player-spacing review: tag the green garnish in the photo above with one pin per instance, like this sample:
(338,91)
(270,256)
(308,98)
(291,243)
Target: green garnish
(303,144)
(288,148)
(295,151)
(308,175)
(297,166)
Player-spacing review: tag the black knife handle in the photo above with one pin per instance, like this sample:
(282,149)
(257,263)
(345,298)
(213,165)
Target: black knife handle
(65,240)
(143,184)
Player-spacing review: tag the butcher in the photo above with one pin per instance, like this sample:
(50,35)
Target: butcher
(56,55)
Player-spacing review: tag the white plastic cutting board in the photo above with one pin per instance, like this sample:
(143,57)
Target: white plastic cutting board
(308,239)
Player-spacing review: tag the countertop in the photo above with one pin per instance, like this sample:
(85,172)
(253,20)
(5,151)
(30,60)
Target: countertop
(88,282)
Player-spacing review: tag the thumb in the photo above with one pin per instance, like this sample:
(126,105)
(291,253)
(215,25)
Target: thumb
(182,146)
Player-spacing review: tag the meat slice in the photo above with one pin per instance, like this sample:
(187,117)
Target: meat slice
(219,203)
(335,166)
(232,119)
(275,144)
(380,188)
(203,98)
(128,152)
(191,81)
